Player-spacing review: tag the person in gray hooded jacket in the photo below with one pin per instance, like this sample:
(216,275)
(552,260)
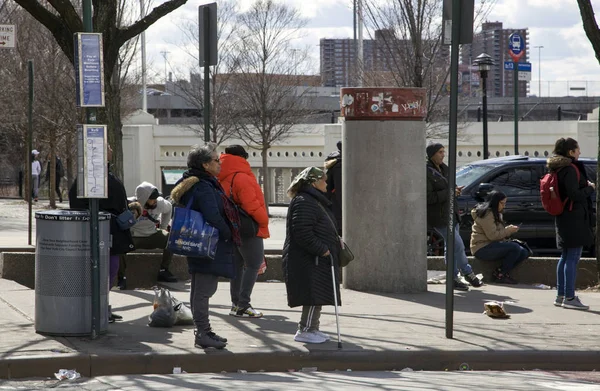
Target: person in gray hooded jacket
(151,229)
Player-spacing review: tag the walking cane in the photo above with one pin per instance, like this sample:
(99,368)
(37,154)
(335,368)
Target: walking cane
(335,301)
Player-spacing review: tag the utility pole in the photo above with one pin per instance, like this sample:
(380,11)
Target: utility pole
(143,44)
(539,48)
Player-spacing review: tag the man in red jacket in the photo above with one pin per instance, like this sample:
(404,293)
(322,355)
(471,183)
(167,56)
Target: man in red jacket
(240,184)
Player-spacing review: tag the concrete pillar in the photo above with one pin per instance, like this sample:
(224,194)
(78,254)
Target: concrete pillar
(384,189)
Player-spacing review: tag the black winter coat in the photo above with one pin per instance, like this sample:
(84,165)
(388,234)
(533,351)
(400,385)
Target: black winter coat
(309,234)
(438,204)
(334,187)
(574,225)
(206,191)
(115,204)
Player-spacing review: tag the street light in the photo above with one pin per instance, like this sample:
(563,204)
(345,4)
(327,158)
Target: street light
(484,63)
(539,48)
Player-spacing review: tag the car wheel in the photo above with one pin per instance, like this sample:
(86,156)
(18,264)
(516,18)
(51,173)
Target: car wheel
(435,244)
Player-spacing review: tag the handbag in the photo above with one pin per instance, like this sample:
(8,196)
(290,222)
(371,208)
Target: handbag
(524,245)
(125,220)
(191,235)
(346,255)
(248,226)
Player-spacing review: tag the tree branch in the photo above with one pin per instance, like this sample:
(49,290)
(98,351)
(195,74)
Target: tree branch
(589,25)
(142,24)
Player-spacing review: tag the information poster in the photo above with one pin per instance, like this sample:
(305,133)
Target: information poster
(89,68)
(92,179)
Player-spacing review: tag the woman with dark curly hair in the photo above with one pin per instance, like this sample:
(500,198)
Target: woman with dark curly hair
(574,225)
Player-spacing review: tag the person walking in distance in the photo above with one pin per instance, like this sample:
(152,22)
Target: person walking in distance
(438,209)
(239,182)
(36,171)
(574,224)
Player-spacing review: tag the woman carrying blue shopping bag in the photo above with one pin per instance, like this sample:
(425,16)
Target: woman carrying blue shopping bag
(200,183)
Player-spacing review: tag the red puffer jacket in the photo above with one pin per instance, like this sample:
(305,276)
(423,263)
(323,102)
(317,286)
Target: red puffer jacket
(246,191)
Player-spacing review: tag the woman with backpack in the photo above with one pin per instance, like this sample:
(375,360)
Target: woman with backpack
(574,224)
(489,238)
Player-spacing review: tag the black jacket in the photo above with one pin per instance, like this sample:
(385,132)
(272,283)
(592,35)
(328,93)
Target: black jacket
(438,203)
(574,225)
(207,200)
(309,234)
(115,204)
(334,187)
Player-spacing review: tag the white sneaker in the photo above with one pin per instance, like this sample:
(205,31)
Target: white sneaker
(308,337)
(322,334)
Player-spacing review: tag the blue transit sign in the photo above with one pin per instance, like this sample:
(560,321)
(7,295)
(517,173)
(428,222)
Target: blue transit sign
(516,43)
(89,66)
(523,66)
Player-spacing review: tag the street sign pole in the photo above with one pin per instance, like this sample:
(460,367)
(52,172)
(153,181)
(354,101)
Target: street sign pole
(30,147)
(516,50)
(206,38)
(94,206)
(516,94)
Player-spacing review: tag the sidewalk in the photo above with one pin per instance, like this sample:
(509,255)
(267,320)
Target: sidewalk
(379,332)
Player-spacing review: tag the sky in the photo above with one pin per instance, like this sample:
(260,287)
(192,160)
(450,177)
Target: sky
(567,58)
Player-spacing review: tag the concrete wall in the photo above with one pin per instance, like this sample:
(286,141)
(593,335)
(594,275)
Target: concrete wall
(149,147)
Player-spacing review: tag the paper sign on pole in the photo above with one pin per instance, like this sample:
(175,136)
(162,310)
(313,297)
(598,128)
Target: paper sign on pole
(92,169)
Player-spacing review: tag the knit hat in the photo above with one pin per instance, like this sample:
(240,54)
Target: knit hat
(432,149)
(237,150)
(339,145)
(306,177)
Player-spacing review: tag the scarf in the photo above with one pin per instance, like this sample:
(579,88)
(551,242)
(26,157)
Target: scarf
(232,216)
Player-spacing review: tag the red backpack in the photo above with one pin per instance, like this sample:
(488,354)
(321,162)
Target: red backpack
(549,193)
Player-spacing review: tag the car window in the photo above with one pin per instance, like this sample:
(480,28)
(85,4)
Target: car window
(517,181)
(590,170)
(472,172)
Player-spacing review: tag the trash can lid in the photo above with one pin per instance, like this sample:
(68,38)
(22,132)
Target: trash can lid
(70,215)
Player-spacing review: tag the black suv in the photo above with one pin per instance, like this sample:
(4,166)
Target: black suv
(519,178)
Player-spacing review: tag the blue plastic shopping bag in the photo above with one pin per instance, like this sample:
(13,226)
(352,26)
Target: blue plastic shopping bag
(191,235)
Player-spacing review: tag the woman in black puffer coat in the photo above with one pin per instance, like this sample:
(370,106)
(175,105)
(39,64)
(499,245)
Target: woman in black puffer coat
(574,225)
(311,237)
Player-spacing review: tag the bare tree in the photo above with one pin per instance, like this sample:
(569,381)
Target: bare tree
(265,91)
(63,19)
(222,126)
(408,35)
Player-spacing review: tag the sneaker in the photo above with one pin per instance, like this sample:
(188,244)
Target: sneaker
(322,334)
(112,317)
(574,304)
(122,283)
(308,337)
(559,301)
(165,275)
(234,310)
(459,285)
(473,280)
(216,336)
(503,278)
(248,312)
(205,341)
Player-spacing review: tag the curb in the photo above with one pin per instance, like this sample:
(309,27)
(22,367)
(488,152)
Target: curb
(364,360)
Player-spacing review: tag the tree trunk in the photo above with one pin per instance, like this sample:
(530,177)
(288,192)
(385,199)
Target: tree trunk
(266,177)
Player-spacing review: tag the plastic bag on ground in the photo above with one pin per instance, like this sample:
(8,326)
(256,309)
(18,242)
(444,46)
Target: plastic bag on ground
(183,313)
(164,314)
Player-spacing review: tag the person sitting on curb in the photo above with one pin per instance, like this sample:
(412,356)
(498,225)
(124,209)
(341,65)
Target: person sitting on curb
(151,229)
(488,238)
(438,213)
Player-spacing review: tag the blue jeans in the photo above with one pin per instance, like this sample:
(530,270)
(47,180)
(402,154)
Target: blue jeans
(510,253)
(566,271)
(460,258)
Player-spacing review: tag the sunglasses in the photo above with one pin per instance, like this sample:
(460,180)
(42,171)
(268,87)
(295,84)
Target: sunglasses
(217,161)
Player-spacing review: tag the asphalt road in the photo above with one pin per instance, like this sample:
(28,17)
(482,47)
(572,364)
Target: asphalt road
(325,381)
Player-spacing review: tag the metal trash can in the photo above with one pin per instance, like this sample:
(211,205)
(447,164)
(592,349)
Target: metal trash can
(63,267)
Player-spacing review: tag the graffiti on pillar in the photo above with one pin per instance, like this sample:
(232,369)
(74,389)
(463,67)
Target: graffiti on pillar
(378,103)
